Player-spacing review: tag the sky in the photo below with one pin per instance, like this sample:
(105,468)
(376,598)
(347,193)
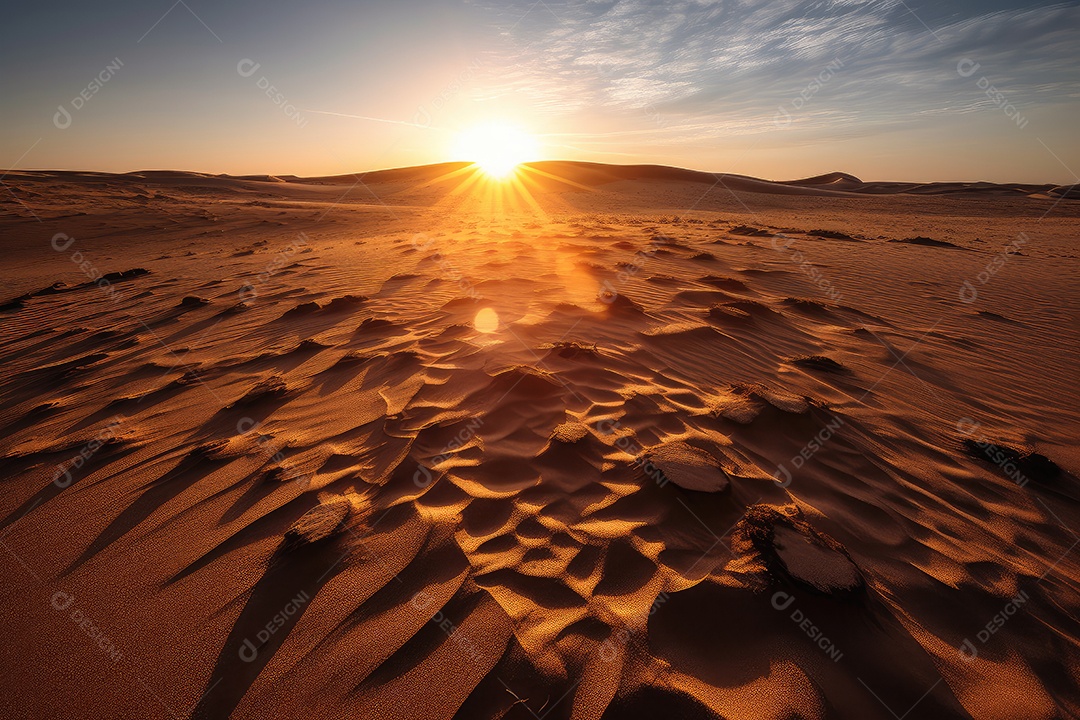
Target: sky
(914,90)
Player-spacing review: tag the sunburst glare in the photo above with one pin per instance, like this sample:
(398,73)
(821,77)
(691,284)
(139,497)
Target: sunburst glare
(497,148)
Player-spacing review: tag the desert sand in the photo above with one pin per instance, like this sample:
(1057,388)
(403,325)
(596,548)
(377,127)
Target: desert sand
(609,442)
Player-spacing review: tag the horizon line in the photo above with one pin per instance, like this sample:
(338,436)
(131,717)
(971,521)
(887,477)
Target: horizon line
(715,174)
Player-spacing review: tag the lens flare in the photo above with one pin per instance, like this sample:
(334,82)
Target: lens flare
(486,321)
(496,148)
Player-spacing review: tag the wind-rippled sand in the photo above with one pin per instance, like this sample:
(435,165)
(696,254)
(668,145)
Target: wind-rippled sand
(641,444)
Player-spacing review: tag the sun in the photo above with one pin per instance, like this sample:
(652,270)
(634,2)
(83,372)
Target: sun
(497,148)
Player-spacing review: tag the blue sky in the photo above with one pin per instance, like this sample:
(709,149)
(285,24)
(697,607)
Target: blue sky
(884,89)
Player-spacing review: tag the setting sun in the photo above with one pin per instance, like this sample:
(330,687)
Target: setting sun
(497,148)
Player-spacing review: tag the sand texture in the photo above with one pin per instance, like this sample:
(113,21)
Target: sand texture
(608,443)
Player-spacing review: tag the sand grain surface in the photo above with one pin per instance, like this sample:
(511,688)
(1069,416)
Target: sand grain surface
(619,443)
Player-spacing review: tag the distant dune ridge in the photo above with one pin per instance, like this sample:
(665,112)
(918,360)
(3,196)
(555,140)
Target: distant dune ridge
(598,174)
(620,442)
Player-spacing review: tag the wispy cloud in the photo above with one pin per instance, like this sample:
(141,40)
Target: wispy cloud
(690,69)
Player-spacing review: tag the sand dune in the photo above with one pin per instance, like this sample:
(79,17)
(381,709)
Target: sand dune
(642,442)
(574,173)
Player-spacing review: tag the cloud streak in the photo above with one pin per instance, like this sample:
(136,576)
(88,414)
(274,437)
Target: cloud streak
(689,70)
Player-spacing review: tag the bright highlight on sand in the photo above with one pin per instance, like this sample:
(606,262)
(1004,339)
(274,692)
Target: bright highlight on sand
(486,321)
(497,148)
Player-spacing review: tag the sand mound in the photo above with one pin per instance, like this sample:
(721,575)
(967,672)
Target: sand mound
(569,432)
(790,547)
(318,523)
(926,242)
(819,362)
(1030,464)
(831,235)
(1071,192)
(686,466)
